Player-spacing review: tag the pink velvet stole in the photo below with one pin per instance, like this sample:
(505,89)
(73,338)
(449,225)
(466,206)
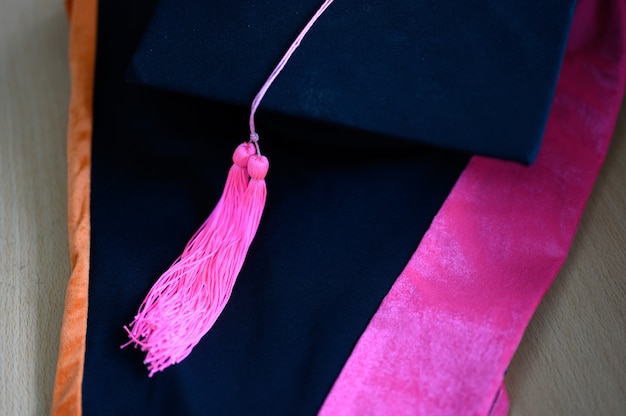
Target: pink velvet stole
(443,337)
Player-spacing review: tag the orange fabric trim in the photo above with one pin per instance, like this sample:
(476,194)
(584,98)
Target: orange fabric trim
(67,396)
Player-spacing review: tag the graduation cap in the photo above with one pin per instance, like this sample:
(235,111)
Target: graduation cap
(477,78)
(388,70)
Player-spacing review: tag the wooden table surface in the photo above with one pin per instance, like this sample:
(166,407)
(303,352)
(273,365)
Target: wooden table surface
(572,360)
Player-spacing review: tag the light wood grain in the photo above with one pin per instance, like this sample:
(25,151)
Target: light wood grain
(34,259)
(572,360)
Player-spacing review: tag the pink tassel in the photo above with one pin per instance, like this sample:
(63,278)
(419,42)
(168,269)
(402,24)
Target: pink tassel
(188,298)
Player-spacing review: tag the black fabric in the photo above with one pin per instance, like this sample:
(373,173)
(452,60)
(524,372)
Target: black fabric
(472,76)
(340,224)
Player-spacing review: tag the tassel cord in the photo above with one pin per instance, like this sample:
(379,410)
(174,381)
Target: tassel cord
(279,67)
(187,299)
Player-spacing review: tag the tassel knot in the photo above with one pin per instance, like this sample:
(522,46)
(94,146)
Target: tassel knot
(258,167)
(242,154)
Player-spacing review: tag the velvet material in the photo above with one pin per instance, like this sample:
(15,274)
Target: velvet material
(445,334)
(326,253)
(67,397)
(472,77)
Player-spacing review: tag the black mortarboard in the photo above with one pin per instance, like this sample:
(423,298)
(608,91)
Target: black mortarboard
(475,77)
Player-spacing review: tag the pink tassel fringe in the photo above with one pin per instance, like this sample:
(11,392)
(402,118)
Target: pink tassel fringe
(187,299)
